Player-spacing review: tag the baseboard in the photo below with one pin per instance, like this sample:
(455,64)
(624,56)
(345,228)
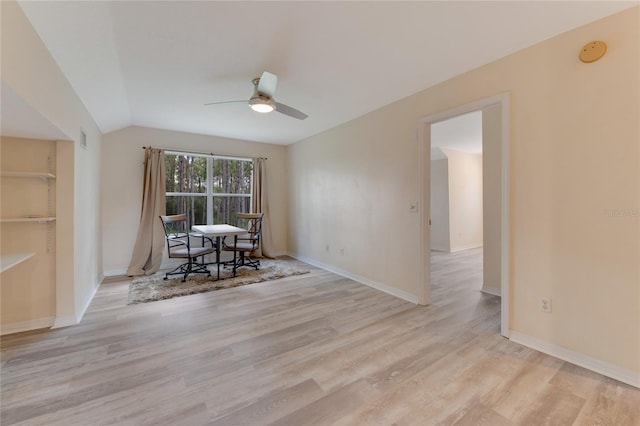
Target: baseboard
(87,301)
(20,326)
(466,247)
(73,320)
(492,291)
(440,249)
(401,294)
(621,374)
(64,321)
(114,272)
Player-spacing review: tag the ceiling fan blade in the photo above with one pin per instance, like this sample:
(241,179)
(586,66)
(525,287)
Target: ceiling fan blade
(290,111)
(268,84)
(225,102)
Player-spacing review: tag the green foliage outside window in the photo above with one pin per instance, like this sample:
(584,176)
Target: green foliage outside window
(189,188)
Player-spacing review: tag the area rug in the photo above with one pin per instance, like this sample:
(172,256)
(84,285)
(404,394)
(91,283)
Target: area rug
(155,287)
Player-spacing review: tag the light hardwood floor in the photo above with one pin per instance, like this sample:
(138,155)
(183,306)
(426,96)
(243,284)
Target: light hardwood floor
(314,349)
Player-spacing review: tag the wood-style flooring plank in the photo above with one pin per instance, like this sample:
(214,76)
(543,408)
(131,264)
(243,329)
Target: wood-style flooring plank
(316,349)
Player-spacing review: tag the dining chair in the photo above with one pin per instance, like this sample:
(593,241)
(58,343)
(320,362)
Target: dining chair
(246,244)
(179,246)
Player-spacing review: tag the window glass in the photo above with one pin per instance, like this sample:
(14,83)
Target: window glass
(208,189)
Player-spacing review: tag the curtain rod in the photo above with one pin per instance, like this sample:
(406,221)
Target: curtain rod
(200,153)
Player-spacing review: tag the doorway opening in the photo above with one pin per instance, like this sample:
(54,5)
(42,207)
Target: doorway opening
(458,216)
(465,194)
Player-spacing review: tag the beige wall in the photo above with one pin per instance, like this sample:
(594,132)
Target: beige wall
(29,289)
(492,202)
(574,154)
(440,239)
(465,199)
(28,68)
(122,168)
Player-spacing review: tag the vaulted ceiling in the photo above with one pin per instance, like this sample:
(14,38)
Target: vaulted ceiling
(156,64)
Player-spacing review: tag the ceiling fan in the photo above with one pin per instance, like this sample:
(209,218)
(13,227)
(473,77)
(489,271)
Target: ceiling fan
(262,100)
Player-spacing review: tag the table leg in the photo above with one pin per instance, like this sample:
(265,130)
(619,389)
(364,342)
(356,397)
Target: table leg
(218,242)
(235,244)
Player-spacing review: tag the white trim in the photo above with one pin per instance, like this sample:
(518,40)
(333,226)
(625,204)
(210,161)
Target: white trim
(491,290)
(401,294)
(424,223)
(114,273)
(466,247)
(424,142)
(73,320)
(621,374)
(20,326)
(64,322)
(504,244)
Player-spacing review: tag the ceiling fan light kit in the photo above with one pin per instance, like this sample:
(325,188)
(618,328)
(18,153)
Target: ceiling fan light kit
(262,99)
(261,104)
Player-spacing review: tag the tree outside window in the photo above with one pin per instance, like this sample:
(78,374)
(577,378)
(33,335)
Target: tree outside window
(208,189)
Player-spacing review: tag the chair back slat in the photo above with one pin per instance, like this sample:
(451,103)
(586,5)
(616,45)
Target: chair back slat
(175,226)
(252,222)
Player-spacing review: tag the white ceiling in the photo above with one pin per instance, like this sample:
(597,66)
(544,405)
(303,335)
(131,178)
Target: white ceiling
(155,64)
(462,133)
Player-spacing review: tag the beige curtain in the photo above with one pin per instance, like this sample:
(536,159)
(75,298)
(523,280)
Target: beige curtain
(147,254)
(259,204)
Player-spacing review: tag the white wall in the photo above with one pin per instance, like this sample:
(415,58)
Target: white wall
(440,235)
(28,68)
(465,199)
(122,171)
(574,156)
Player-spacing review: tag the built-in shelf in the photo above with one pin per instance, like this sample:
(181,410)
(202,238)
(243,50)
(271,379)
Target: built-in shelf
(27,219)
(10,260)
(28,175)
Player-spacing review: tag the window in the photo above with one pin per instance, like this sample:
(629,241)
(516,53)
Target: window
(208,189)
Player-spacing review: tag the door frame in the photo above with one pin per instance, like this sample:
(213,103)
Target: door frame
(424,147)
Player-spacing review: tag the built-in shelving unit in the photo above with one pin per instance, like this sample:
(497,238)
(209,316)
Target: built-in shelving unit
(35,218)
(30,185)
(28,175)
(27,219)
(8,261)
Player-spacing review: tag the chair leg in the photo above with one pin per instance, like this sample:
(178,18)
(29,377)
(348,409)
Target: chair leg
(244,260)
(188,268)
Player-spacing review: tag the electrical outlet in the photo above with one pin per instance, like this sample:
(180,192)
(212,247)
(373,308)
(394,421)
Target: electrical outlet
(545,305)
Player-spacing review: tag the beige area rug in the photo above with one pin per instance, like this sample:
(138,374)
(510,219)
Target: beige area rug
(155,287)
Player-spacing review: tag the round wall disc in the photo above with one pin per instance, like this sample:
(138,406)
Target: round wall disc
(593,51)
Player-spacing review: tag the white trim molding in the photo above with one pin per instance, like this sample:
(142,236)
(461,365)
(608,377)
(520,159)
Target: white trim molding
(114,273)
(424,155)
(66,321)
(466,247)
(621,374)
(88,301)
(492,291)
(401,294)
